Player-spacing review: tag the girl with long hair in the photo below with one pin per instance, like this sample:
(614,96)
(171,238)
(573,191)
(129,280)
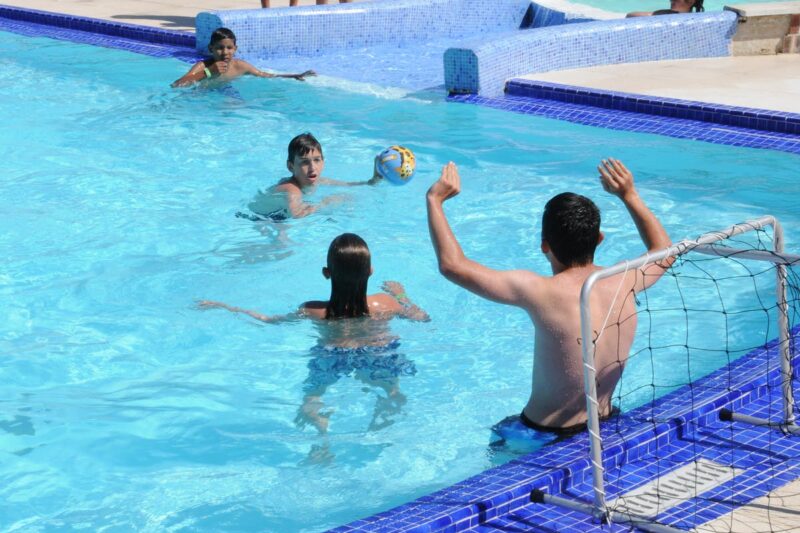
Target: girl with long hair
(354,337)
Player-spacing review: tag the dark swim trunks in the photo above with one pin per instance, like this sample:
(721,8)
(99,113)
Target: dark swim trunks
(519,428)
(279,215)
(378,363)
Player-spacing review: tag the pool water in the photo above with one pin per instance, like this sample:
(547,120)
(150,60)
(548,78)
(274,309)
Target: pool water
(124,406)
(625,6)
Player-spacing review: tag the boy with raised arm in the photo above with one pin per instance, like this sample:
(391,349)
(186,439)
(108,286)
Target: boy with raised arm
(285,199)
(570,234)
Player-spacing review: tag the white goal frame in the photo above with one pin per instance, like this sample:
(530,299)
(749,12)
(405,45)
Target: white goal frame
(599,509)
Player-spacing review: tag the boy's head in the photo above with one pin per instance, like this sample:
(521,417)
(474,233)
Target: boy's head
(305,160)
(222,44)
(571,229)
(686,6)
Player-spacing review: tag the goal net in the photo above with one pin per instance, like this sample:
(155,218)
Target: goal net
(707,439)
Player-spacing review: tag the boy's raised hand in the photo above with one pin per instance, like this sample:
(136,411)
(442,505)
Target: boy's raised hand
(448,186)
(616,178)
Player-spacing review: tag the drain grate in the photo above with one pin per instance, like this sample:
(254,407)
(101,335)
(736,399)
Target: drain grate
(673,488)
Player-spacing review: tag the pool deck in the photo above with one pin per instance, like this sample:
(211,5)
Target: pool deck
(166,14)
(766,82)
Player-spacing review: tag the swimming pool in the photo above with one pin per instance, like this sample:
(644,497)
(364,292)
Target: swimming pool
(625,6)
(124,406)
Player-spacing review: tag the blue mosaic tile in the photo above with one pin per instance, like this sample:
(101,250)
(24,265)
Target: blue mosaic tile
(658,437)
(760,119)
(638,122)
(481,67)
(139,39)
(311,30)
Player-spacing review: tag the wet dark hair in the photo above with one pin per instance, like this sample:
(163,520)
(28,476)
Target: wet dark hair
(698,6)
(349,265)
(219,34)
(571,226)
(303,144)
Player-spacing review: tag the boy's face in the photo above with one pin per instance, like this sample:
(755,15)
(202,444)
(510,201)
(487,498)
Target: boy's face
(223,50)
(307,169)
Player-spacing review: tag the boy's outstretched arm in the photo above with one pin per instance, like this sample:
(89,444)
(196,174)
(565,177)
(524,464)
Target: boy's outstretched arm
(250,69)
(209,304)
(508,287)
(410,310)
(374,180)
(618,180)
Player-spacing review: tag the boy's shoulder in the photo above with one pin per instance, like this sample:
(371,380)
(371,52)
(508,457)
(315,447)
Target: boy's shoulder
(285,185)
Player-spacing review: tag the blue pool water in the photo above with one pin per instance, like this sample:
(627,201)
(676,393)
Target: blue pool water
(625,6)
(126,407)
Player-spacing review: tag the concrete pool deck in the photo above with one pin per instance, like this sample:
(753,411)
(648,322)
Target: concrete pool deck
(166,14)
(768,82)
(763,82)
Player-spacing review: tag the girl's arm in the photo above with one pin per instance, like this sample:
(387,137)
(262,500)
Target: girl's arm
(253,71)
(200,72)
(209,304)
(410,310)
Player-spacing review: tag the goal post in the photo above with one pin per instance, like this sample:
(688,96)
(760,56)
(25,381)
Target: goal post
(707,244)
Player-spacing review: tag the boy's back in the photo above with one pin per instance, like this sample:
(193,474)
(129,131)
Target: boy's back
(570,234)
(553,303)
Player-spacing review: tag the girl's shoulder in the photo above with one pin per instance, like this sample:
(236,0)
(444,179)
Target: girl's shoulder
(383,303)
(314,309)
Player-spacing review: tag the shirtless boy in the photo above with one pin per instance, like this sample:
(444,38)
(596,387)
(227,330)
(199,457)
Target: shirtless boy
(306,163)
(570,234)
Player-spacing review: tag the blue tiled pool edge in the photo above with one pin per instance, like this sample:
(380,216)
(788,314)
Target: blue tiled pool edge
(502,490)
(742,117)
(136,38)
(648,114)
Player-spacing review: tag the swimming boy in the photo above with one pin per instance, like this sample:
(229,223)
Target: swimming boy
(570,234)
(285,199)
(222,66)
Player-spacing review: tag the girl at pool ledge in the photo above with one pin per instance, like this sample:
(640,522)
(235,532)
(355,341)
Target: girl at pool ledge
(221,66)
(675,7)
(363,346)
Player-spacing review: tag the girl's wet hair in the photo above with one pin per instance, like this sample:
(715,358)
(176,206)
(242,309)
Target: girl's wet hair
(221,33)
(303,144)
(350,266)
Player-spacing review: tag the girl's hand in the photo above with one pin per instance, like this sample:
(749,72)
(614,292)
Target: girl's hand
(210,304)
(393,287)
